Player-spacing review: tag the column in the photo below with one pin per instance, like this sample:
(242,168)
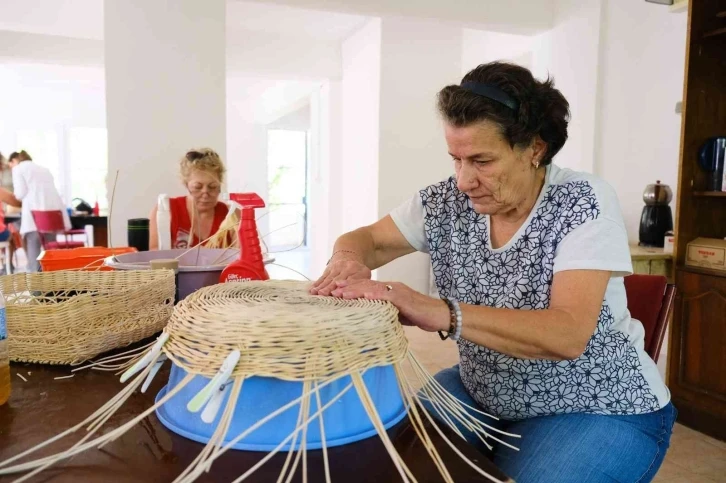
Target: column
(165,94)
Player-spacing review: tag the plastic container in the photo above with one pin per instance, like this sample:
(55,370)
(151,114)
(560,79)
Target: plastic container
(88,258)
(199,267)
(163,222)
(4,355)
(345,421)
(137,231)
(251,265)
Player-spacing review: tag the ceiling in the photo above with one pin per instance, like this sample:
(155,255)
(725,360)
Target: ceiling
(330,20)
(84,19)
(291,21)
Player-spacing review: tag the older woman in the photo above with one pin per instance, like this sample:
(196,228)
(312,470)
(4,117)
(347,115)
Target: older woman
(529,261)
(202,173)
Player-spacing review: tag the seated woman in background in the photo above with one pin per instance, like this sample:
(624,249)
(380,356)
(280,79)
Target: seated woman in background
(202,173)
(529,260)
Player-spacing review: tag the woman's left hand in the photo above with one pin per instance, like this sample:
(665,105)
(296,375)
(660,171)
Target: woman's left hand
(415,308)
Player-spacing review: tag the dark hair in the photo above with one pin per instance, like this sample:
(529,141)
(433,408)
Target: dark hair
(540,108)
(22,156)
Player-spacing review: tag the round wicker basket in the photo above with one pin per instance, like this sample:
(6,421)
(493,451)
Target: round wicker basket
(67,317)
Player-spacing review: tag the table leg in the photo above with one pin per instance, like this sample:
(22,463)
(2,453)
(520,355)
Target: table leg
(100,235)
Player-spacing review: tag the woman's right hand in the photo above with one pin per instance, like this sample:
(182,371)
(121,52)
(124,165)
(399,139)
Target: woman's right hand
(340,268)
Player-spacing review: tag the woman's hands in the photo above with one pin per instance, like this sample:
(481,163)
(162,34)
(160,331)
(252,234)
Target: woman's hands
(415,308)
(343,266)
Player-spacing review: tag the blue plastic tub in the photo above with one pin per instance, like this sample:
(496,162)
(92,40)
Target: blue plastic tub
(345,421)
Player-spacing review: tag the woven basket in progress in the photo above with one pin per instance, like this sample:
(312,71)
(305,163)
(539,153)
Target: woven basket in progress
(234,331)
(67,317)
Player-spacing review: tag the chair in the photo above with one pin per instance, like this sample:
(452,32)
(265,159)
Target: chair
(650,300)
(51,223)
(5,246)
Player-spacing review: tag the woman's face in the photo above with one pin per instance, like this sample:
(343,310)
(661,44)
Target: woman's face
(204,188)
(496,177)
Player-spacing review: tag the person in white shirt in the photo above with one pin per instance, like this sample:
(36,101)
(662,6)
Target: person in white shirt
(528,260)
(34,187)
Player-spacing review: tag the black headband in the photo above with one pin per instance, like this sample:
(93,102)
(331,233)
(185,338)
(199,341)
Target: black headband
(492,92)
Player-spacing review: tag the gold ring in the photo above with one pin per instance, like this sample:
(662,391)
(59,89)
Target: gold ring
(389,288)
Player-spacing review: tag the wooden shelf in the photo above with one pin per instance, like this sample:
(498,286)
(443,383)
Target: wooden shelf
(709,194)
(702,271)
(714,33)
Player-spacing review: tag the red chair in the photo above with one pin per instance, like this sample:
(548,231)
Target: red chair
(650,300)
(51,223)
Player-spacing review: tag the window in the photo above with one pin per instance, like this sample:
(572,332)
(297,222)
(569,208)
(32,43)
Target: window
(287,181)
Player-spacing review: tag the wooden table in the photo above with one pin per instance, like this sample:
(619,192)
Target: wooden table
(43,407)
(652,261)
(99,224)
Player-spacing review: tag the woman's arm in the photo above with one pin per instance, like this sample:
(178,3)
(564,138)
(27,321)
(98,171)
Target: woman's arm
(153,231)
(8,198)
(358,252)
(560,332)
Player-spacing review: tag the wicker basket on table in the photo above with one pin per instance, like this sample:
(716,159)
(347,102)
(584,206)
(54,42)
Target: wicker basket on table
(67,317)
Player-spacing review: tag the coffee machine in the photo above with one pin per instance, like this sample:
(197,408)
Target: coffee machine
(656,218)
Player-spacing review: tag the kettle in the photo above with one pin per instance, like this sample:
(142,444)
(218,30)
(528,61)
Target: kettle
(656,218)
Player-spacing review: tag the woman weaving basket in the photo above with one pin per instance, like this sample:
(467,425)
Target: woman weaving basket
(199,214)
(528,260)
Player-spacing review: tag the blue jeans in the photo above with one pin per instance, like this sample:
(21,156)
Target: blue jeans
(575,448)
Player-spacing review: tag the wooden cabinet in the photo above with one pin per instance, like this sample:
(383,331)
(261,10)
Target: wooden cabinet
(697,347)
(697,374)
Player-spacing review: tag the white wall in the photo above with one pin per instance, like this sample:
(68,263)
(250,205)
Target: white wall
(324,176)
(569,53)
(641,78)
(480,47)
(360,99)
(418,58)
(165,92)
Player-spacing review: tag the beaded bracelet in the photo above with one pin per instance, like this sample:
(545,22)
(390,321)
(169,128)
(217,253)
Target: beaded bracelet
(456,320)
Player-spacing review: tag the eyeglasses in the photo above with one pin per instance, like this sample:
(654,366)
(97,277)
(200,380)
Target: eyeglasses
(194,156)
(213,189)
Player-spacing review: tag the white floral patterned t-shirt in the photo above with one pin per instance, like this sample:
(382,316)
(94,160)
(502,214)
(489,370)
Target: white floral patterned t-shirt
(576,224)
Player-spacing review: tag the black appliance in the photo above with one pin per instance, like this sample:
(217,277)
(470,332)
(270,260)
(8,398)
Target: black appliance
(656,218)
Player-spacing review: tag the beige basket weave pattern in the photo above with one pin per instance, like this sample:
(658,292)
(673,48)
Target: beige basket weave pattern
(67,317)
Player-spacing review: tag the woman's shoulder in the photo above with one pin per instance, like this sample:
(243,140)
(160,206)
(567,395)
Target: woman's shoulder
(441,193)
(578,186)
(178,206)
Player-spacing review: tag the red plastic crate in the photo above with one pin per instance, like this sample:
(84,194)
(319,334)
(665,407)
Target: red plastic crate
(87,258)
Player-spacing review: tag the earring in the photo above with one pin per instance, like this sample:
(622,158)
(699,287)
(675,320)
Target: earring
(536,165)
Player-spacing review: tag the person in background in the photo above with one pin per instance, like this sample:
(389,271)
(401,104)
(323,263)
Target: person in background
(6,174)
(529,261)
(34,188)
(10,204)
(202,173)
